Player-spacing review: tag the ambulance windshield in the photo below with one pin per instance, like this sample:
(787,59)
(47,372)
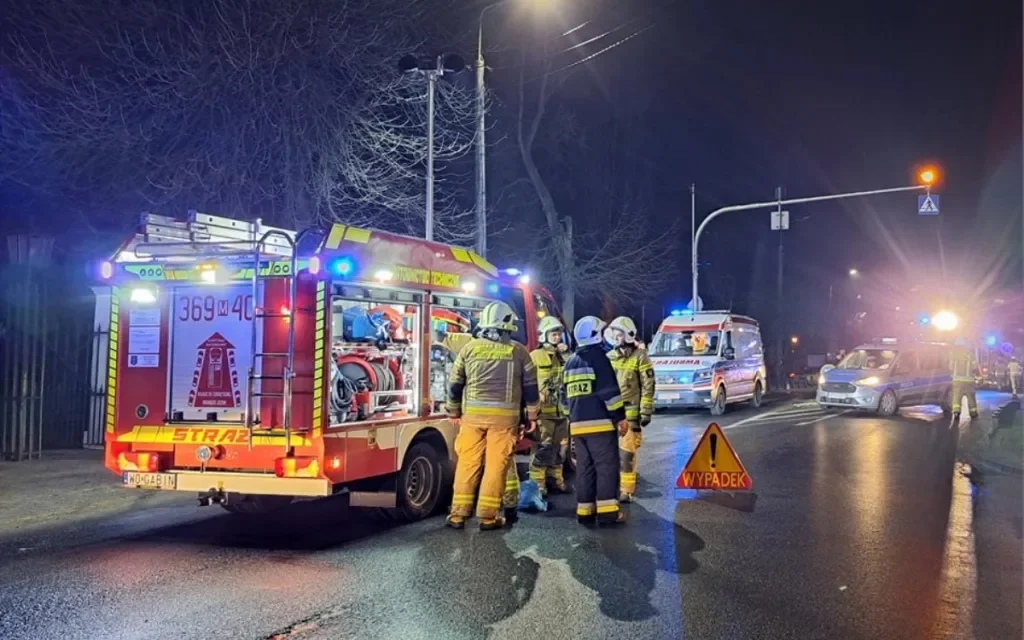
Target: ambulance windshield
(685,343)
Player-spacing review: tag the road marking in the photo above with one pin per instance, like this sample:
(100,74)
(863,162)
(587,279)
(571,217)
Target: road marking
(958,590)
(823,418)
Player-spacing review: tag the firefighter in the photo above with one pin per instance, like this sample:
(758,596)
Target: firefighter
(591,395)
(1014,369)
(552,426)
(635,374)
(492,378)
(963,366)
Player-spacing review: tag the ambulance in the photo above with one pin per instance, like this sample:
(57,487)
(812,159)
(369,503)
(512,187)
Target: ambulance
(252,365)
(708,359)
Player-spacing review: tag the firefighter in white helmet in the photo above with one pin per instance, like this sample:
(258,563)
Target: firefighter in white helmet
(635,374)
(591,395)
(492,379)
(553,424)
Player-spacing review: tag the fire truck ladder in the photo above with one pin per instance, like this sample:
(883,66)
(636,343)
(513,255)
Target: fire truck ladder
(274,239)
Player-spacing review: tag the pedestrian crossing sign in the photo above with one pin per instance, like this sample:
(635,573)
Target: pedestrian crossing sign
(714,465)
(928,205)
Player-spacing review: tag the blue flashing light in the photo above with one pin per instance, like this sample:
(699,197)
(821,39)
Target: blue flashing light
(493,288)
(513,272)
(924,319)
(991,340)
(343,267)
(677,312)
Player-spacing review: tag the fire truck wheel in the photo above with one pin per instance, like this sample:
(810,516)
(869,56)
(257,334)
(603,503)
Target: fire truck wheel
(420,483)
(252,504)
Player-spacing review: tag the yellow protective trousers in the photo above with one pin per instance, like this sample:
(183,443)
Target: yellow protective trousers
(629,447)
(484,452)
(510,499)
(549,454)
(963,388)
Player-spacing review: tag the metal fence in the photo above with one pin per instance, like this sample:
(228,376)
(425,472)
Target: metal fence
(46,345)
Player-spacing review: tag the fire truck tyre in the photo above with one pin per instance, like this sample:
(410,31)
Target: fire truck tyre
(253,504)
(755,402)
(420,483)
(718,407)
(888,405)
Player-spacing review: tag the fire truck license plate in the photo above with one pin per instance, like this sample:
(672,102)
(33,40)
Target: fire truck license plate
(150,480)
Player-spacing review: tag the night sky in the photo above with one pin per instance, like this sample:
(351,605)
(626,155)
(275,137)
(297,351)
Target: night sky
(739,97)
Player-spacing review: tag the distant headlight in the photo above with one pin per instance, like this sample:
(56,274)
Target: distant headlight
(870,381)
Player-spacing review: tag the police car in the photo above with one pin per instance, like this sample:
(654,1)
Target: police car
(708,359)
(885,375)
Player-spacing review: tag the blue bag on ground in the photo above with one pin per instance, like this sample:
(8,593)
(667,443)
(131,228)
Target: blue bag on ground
(530,498)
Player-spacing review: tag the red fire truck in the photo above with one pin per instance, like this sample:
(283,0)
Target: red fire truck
(253,365)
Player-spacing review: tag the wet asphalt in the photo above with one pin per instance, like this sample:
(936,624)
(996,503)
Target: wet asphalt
(857,527)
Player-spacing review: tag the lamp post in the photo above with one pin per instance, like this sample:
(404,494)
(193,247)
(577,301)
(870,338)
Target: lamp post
(481,133)
(450,63)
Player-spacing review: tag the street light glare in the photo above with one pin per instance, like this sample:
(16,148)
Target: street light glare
(945,321)
(795,340)
(928,176)
(854,273)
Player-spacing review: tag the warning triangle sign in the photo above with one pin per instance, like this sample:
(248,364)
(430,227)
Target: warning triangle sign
(928,206)
(714,465)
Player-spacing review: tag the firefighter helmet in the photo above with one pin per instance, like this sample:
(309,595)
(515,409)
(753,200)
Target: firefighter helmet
(626,326)
(588,331)
(498,315)
(547,325)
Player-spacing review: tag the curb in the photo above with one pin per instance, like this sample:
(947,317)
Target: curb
(991,465)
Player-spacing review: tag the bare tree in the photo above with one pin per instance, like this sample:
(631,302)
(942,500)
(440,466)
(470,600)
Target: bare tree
(290,109)
(620,255)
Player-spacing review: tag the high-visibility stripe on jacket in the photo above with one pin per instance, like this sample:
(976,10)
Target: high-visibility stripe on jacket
(590,393)
(635,374)
(492,381)
(549,362)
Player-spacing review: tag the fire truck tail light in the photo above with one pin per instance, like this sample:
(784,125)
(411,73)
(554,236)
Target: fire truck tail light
(140,461)
(335,463)
(300,467)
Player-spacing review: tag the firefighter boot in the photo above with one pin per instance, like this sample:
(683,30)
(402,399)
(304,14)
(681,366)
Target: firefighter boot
(492,525)
(455,522)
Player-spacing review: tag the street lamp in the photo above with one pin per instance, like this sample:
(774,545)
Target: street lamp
(928,176)
(450,63)
(481,135)
(794,340)
(854,273)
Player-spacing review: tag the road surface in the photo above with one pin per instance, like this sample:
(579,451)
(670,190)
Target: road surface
(857,527)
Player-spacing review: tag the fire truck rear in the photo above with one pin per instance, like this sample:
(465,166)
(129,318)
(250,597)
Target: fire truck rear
(253,365)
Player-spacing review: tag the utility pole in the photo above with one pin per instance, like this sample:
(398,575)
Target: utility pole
(481,146)
(780,339)
(431,87)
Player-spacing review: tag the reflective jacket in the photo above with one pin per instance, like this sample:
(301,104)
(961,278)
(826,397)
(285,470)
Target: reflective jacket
(635,373)
(590,393)
(491,381)
(549,362)
(962,365)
